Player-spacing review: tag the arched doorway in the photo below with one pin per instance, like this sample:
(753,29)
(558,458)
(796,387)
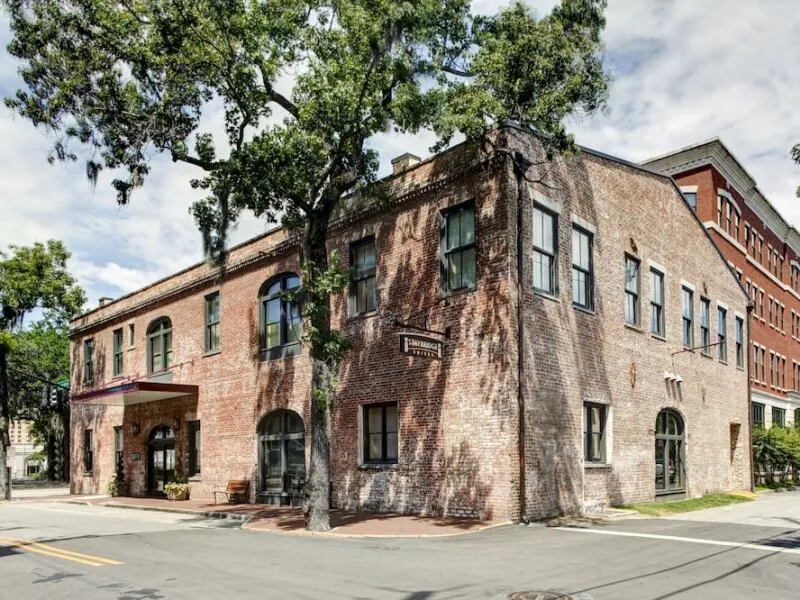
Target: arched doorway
(160,459)
(282,458)
(670,468)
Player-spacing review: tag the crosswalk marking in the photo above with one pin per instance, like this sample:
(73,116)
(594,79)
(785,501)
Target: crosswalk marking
(675,538)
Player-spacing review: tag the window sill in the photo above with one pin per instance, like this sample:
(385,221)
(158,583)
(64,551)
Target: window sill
(195,479)
(596,465)
(635,328)
(378,466)
(546,295)
(660,338)
(444,294)
(583,309)
(280,352)
(129,348)
(116,377)
(706,354)
(366,315)
(88,474)
(723,362)
(212,353)
(738,368)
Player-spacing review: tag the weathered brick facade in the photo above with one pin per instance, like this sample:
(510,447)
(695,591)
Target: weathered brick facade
(459,427)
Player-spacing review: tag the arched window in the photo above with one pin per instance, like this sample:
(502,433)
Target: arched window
(280,318)
(159,345)
(670,471)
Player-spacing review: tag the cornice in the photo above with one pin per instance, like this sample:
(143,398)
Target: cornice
(714,153)
(287,245)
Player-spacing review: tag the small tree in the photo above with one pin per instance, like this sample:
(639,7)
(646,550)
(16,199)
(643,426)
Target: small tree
(31,277)
(305,85)
(41,351)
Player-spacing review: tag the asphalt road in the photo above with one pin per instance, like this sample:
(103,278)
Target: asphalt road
(93,553)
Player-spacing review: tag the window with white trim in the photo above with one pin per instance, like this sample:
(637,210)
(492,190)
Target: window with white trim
(632,306)
(545,250)
(688,318)
(582,268)
(656,302)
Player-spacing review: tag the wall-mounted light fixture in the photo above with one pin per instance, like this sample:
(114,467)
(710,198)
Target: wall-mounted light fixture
(135,429)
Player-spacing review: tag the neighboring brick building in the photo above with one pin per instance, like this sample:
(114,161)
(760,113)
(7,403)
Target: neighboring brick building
(765,252)
(204,377)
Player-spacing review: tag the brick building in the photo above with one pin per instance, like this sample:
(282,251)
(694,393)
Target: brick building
(765,252)
(551,376)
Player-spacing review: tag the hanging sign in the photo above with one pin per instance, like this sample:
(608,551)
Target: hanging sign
(415,344)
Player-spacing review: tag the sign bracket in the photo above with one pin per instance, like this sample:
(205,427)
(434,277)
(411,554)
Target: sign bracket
(445,334)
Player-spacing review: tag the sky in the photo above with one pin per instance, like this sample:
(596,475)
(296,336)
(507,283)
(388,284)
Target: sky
(683,71)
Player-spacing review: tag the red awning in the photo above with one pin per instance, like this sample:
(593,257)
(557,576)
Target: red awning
(135,392)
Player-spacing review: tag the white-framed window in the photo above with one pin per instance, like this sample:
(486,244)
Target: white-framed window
(688,318)
(657,302)
(595,417)
(545,250)
(632,302)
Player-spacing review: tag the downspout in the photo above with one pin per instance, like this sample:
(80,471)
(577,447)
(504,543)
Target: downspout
(750,307)
(519,178)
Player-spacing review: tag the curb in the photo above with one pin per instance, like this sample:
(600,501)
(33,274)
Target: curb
(207,514)
(336,535)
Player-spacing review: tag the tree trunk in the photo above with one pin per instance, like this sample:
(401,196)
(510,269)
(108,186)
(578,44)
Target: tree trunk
(315,252)
(5,418)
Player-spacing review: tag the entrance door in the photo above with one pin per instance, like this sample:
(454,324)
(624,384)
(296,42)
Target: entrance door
(283,457)
(670,471)
(160,460)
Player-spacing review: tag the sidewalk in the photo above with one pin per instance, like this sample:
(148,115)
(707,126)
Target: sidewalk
(263,517)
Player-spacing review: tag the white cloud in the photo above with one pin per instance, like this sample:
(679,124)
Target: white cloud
(683,71)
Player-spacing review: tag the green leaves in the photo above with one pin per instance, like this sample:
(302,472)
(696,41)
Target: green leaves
(37,277)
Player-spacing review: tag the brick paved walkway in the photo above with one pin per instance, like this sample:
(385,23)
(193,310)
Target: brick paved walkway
(263,517)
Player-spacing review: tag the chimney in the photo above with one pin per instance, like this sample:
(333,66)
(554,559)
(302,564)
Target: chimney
(105,300)
(403,162)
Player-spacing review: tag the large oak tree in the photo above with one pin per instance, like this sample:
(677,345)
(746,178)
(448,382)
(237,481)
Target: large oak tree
(304,85)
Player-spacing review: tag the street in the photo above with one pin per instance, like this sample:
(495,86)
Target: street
(90,552)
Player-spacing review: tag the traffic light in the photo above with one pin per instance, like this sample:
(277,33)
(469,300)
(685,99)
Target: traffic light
(45,395)
(55,391)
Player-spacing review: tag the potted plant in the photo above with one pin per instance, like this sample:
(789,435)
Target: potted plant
(178,489)
(118,486)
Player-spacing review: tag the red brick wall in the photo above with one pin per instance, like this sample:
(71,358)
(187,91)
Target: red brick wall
(572,356)
(457,448)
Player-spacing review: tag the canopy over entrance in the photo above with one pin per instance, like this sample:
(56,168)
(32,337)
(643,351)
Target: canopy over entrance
(135,392)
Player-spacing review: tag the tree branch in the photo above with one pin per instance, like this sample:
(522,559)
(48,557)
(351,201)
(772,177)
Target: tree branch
(276,97)
(197,162)
(457,72)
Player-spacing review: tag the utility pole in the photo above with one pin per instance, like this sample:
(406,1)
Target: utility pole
(5,421)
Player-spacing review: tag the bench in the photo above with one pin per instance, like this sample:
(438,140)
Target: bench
(236,489)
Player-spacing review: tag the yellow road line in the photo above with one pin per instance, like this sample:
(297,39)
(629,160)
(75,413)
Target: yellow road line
(52,551)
